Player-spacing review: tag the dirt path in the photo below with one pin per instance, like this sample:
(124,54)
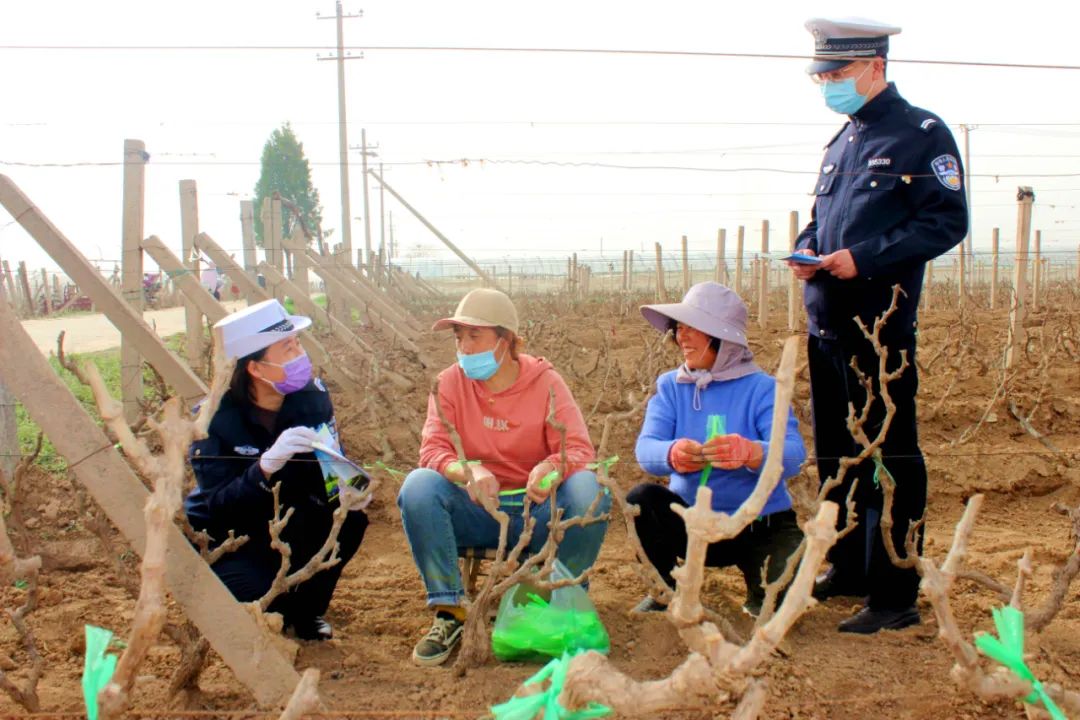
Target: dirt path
(91,333)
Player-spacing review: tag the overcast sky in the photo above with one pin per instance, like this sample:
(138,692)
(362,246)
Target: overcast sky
(758,126)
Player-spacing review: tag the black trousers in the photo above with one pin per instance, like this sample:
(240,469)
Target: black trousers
(771,539)
(249,571)
(860,558)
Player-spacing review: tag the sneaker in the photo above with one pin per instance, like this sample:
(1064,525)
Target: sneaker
(436,646)
(868,621)
(313,628)
(649,605)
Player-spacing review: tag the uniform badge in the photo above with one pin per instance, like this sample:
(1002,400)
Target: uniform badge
(246,450)
(828,169)
(319,384)
(947,170)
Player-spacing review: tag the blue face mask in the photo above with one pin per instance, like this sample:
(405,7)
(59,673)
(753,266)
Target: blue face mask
(478,366)
(841,95)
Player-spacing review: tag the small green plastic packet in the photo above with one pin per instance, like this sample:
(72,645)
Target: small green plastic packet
(605,463)
(547,701)
(1008,649)
(380,465)
(547,480)
(98,667)
(534,624)
(715,429)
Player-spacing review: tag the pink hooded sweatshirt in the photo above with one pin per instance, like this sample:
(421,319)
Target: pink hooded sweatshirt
(506,431)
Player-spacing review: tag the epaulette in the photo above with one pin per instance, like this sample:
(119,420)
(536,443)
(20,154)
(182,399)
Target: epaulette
(924,120)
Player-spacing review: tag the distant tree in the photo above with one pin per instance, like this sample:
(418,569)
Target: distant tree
(285,170)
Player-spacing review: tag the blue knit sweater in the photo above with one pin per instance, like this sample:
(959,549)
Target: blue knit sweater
(747,406)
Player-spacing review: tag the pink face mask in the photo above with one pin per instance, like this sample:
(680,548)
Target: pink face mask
(297,374)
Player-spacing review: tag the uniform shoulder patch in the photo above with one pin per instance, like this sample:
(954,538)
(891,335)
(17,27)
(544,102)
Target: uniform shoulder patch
(927,124)
(947,170)
(319,384)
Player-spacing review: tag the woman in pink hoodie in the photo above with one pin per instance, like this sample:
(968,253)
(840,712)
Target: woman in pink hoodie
(497,398)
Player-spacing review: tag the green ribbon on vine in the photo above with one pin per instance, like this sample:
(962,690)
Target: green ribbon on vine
(1008,649)
(879,467)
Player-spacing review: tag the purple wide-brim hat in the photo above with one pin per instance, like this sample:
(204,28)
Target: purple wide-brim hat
(710,307)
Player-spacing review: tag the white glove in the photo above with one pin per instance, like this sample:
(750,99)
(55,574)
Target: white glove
(292,441)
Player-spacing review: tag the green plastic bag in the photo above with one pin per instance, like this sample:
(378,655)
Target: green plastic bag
(534,624)
(547,701)
(98,668)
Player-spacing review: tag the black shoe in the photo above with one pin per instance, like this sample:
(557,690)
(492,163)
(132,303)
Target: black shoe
(313,628)
(649,605)
(833,584)
(868,622)
(435,647)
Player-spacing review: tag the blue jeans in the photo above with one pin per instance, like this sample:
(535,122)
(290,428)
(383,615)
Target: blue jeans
(439,518)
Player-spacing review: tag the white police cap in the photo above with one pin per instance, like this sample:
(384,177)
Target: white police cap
(257,327)
(840,41)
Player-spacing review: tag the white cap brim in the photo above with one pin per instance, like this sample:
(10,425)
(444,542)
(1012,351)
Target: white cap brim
(242,347)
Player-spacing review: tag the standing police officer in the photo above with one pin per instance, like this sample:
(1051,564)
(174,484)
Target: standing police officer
(888,199)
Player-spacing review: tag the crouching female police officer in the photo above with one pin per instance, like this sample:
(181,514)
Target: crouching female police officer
(260,437)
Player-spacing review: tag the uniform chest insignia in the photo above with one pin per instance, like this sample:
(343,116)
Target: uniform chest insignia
(246,450)
(828,169)
(879,162)
(947,170)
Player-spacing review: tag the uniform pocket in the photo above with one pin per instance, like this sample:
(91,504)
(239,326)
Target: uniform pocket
(824,184)
(874,183)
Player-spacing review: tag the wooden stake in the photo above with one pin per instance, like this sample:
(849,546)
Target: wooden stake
(685,267)
(994,268)
(630,278)
(1025,199)
(574,277)
(721,260)
(961,276)
(739,260)
(763,289)
(194,341)
(793,284)
(45,294)
(131,262)
(661,293)
(625,270)
(929,285)
(13,293)
(1036,288)
(24,280)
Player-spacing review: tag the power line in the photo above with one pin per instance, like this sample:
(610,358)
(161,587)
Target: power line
(465,162)
(544,50)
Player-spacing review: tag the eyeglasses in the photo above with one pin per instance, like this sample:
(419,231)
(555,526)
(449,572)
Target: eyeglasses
(852,69)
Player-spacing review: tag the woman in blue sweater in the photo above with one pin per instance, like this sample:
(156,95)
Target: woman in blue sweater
(717,378)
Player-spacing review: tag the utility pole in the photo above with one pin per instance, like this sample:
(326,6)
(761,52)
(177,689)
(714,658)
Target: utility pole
(393,245)
(366,151)
(383,250)
(343,135)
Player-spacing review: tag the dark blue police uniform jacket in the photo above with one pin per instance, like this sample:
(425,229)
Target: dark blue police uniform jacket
(890,190)
(233,493)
